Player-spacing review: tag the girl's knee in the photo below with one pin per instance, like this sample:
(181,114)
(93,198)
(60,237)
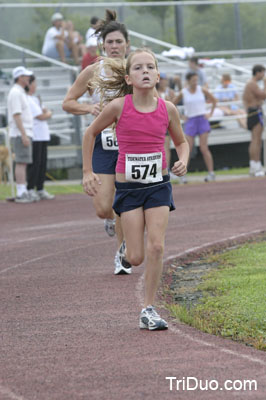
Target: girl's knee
(134,258)
(155,249)
(103,212)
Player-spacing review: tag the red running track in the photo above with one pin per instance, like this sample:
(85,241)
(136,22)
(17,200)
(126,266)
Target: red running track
(69,327)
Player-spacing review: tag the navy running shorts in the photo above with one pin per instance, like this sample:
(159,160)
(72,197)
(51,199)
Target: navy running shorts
(131,195)
(103,161)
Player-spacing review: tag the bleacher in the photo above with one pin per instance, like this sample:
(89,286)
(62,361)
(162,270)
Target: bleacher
(66,129)
(52,85)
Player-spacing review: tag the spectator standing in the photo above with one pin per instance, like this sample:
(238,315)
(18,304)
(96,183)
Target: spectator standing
(56,42)
(226,92)
(253,98)
(193,64)
(41,136)
(196,118)
(20,130)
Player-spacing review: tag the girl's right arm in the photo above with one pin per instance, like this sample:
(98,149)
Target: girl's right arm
(79,87)
(107,117)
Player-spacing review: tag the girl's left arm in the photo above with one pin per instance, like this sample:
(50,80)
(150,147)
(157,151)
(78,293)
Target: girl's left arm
(180,142)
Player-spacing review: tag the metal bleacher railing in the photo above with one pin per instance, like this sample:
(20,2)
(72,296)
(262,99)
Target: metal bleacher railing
(54,81)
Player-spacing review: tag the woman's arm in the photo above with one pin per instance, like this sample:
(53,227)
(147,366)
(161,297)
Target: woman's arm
(180,142)
(211,99)
(79,87)
(106,118)
(45,115)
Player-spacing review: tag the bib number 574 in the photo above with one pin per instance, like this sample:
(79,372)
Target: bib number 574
(143,171)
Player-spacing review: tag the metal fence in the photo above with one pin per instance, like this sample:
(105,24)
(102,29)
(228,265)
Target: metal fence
(208,26)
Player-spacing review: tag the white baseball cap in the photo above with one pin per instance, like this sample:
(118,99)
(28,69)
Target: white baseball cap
(20,71)
(57,17)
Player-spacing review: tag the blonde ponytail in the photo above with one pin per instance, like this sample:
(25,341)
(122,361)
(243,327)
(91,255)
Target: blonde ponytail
(109,80)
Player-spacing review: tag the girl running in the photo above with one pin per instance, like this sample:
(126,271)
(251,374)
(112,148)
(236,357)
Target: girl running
(143,190)
(115,43)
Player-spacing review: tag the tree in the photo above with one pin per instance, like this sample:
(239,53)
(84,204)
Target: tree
(158,12)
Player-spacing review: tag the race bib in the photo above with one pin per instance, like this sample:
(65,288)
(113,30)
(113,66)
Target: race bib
(144,168)
(109,141)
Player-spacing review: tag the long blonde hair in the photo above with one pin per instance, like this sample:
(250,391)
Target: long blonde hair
(112,84)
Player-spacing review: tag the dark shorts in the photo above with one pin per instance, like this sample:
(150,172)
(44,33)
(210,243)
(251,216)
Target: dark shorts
(196,126)
(132,195)
(103,161)
(255,116)
(23,154)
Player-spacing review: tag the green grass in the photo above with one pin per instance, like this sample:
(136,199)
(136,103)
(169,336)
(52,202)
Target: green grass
(233,171)
(234,297)
(56,189)
(5,190)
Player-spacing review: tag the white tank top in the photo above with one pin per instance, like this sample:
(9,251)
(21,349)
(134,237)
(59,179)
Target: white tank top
(194,103)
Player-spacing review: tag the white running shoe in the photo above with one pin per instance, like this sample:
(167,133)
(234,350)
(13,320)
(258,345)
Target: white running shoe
(109,226)
(259,173)
(24,198)
(122,266)
(151,320)
(33,195)
(210,177)
(256,172)
(45,195)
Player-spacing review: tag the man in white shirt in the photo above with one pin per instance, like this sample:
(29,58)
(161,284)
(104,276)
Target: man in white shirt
(20,122)
(57,42)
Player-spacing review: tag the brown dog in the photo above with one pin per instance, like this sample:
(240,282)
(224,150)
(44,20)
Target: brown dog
(4,164)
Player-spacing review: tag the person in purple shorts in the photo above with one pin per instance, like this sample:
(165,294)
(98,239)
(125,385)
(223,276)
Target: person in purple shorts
(196,118)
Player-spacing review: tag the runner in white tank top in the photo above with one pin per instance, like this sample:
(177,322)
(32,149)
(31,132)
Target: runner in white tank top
(196,123)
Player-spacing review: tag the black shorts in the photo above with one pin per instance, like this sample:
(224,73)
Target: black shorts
(255,116)
(103,161)
(132,195)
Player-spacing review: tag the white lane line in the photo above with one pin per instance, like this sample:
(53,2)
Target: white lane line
(7,392)
(140,289)
(54,226)
(53,254)
(50,235)
(84,227)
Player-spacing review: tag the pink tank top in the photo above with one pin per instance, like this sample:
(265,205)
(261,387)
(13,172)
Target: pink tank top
(140,133)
